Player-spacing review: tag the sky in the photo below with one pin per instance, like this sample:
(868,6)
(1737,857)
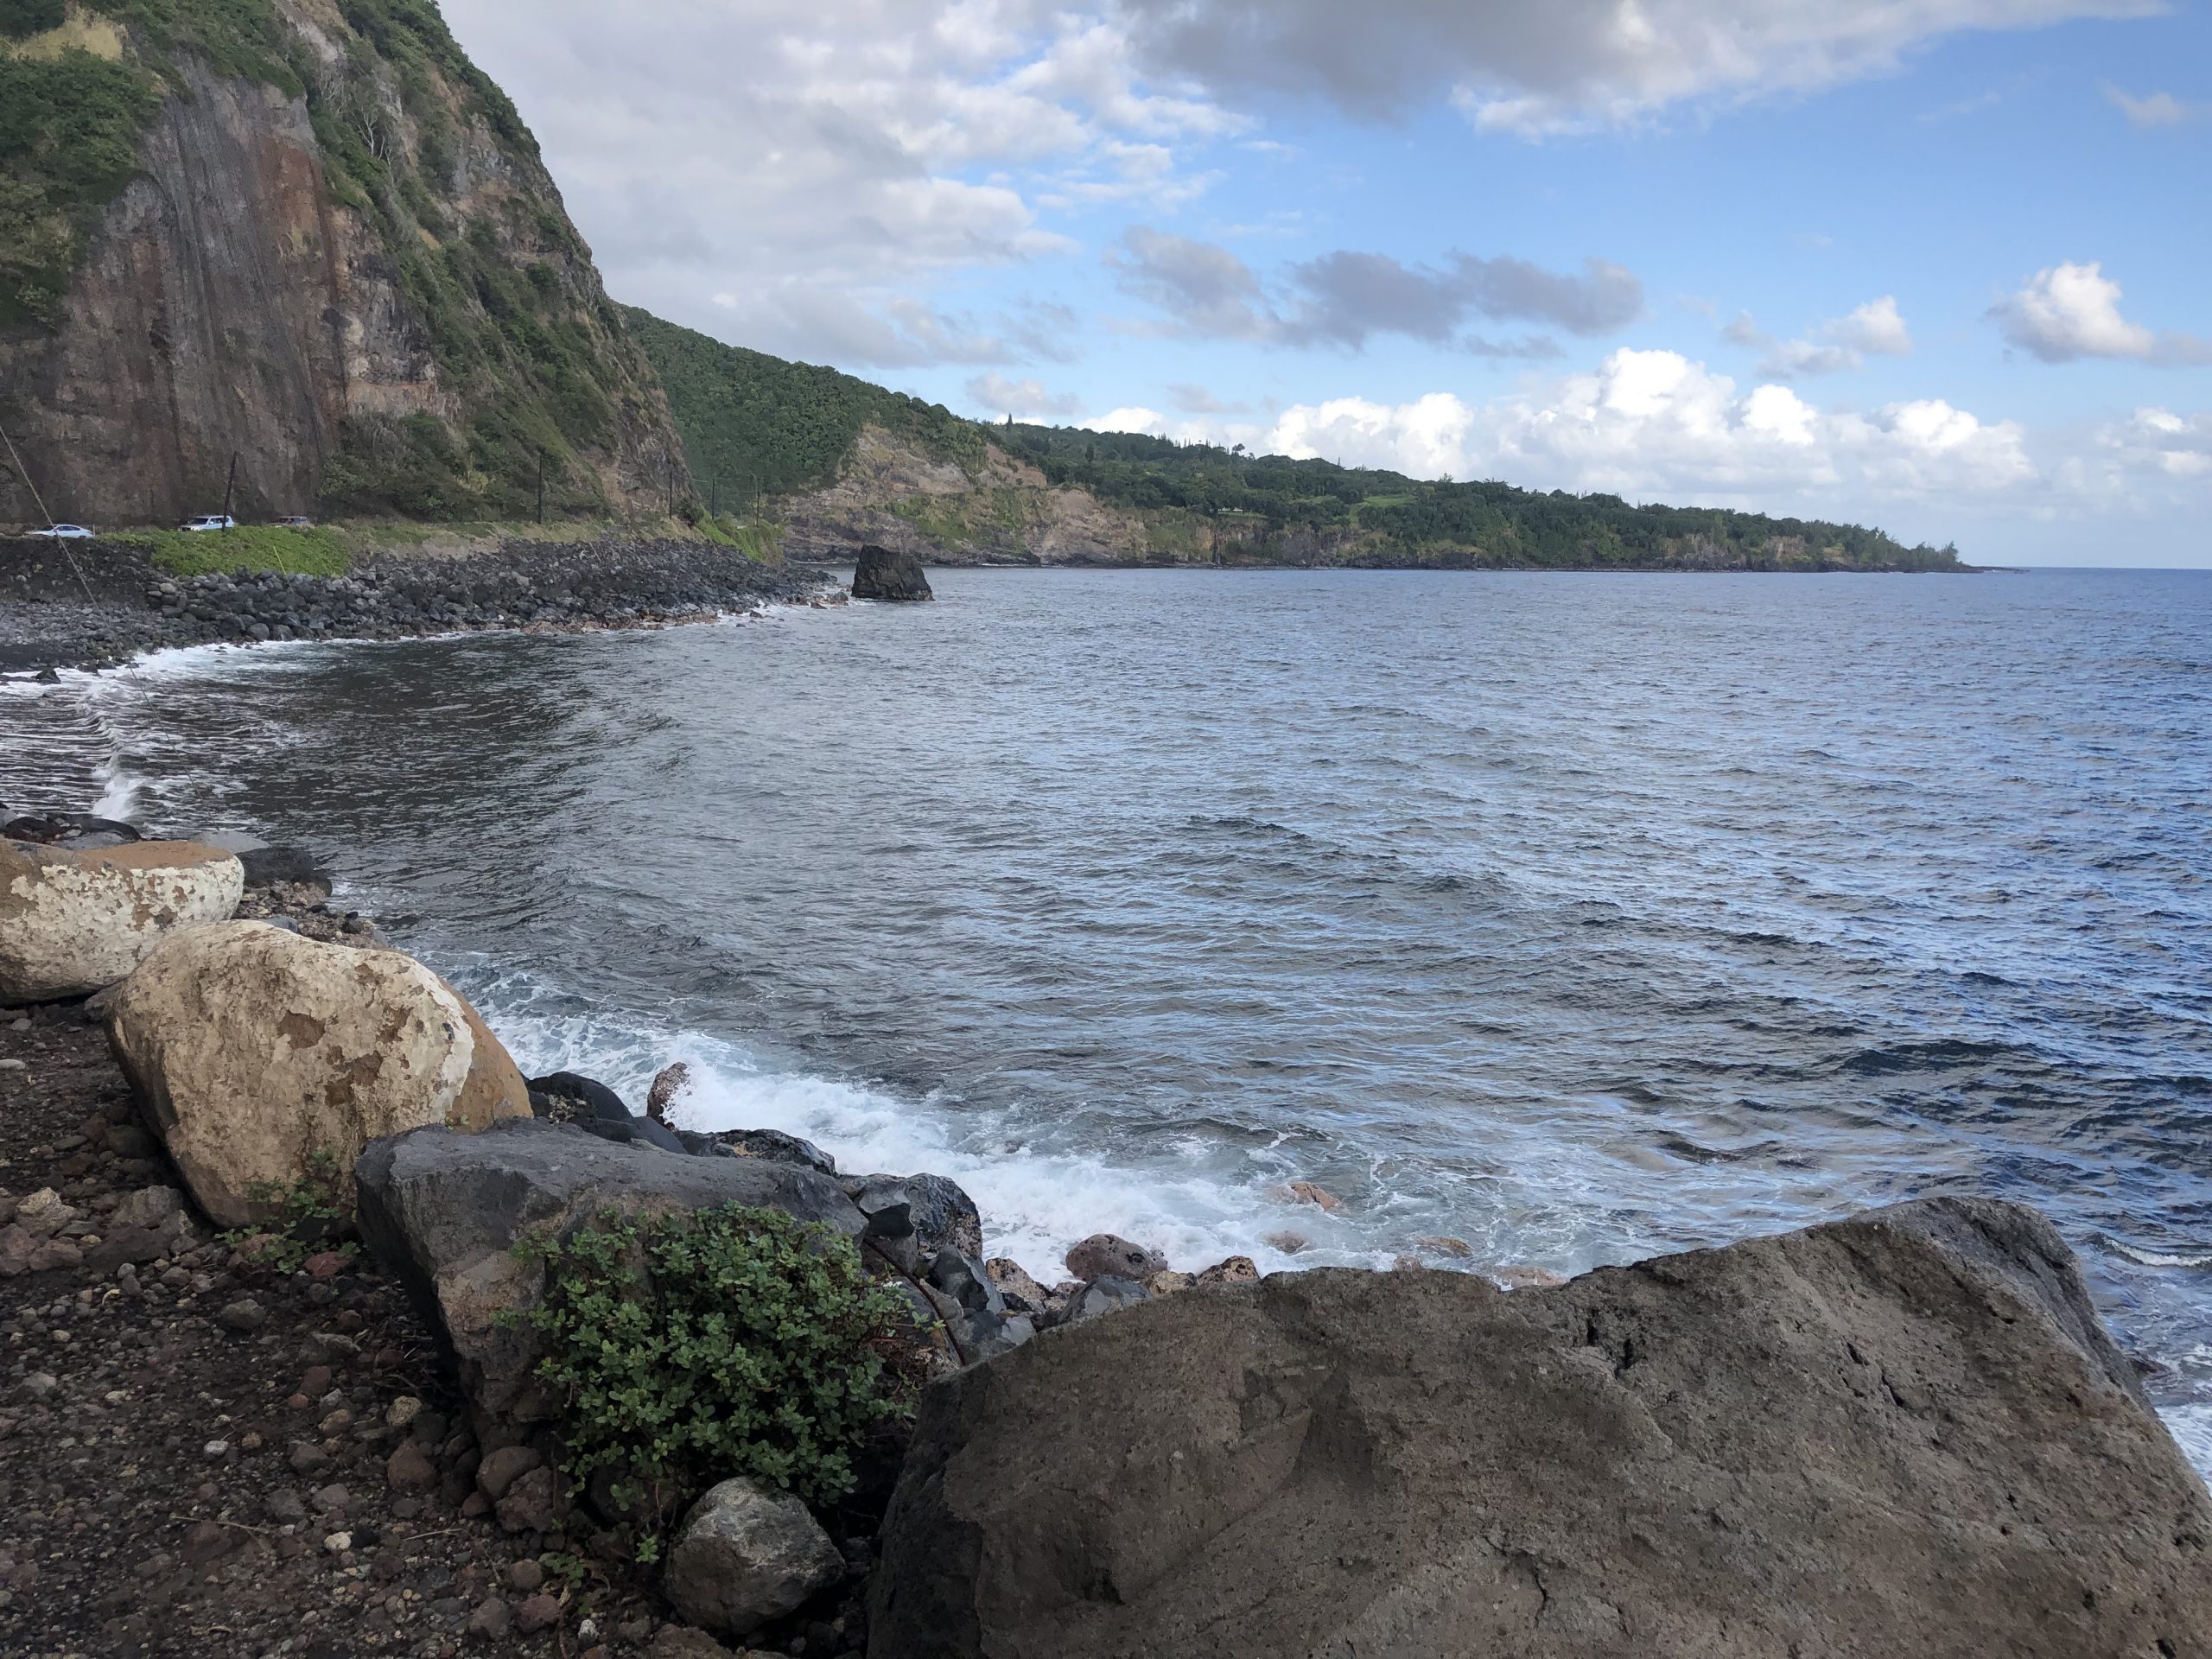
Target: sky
(1943,266)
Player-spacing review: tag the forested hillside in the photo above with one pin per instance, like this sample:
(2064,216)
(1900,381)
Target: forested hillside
(838,460)
(1390,517)
(755,425)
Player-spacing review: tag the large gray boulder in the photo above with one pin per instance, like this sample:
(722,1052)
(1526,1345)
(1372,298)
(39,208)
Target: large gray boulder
(747,1554)
(444,1212)
(1902,1434)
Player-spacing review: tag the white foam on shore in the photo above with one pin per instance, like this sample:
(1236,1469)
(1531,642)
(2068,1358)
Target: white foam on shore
(1035,1201)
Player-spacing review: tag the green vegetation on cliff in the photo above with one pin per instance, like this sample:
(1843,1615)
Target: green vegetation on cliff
(535,381)
(760,425)
(784,429)
(1371,517)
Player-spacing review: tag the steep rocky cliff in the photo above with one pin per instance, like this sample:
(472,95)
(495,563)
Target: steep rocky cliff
(310,234)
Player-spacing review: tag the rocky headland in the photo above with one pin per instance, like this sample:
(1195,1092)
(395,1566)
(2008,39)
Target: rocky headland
(99,604)
(327,1332)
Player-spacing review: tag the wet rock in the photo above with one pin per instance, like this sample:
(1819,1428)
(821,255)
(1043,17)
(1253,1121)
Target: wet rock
(76,922)
(1310,1192)
(1105,1255)
(1816,1443)
(568,1097)
(1013,1283)
(879,573)
(1236,1270)
(1103,1296)
(668,1082)
(255,1052)
(746,1556)
(267,867)
(973,1309)
(772,1144)
(911,1217)
(443,1212)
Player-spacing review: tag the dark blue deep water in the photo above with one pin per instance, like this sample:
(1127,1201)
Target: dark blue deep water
(1575,917)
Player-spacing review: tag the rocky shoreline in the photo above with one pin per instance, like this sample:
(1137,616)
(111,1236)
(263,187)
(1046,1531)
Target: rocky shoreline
(321,1323)
(99,604)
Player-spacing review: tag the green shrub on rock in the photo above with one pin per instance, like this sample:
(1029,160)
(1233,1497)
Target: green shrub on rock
(690,1348)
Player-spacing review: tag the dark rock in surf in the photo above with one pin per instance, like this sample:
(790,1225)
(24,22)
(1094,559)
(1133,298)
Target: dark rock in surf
(760,1143)
(975,1312)
(911,1217)
(879,573)
(570,1098)
(1903,1434)
(266,866)
(1106,1255)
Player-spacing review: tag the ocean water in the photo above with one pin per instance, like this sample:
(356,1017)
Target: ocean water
(1575,917)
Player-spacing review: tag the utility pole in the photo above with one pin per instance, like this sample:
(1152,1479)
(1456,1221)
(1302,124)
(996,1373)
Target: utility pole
(230,489)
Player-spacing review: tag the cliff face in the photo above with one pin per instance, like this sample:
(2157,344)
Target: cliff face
(340,260)
(896,494)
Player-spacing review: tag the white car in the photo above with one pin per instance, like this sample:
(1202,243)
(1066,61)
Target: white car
(210,521)
(65,532)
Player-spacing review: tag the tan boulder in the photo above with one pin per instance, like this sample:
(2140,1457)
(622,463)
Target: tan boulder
(72,922)
(255,1051)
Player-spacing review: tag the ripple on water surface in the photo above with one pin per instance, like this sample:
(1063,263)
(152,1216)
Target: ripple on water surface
(1575,917)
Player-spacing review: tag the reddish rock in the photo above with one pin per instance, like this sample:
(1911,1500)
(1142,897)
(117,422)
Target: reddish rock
(325,1265)
(408,1470)
(536,1503)
(540,1612)
(315,1382)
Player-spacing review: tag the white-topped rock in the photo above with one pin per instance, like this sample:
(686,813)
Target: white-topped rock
(72,922)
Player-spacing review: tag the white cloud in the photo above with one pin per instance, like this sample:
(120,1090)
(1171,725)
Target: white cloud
(1656,425)
(816,161)
(1426,437)
(1536,68)
(2070,311)
(1001,395)
(1875,329)
(2153,109)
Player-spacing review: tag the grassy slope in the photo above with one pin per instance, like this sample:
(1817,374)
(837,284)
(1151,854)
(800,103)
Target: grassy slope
(761,426)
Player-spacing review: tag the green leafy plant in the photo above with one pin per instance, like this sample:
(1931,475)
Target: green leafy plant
(690,1348)
(304,1216)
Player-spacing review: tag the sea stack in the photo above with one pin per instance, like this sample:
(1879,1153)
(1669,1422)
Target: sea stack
(881,574)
